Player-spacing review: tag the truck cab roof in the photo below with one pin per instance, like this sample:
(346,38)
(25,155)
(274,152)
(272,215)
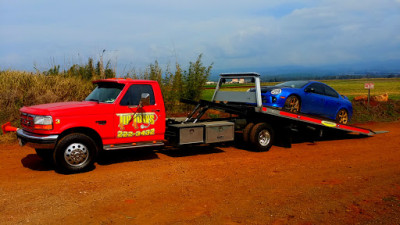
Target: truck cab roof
(124,81)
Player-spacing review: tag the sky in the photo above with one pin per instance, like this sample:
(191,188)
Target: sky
(233,35)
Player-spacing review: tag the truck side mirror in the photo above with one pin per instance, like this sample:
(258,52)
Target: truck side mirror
(144,100)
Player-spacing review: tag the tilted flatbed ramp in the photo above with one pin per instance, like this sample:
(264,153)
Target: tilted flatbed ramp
(260,124)
(273,113)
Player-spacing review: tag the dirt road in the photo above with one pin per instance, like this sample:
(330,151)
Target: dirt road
(346,181)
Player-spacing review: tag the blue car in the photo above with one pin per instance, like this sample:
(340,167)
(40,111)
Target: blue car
(309,97)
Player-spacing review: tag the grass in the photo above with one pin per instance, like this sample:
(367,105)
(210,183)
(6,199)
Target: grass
(20,89)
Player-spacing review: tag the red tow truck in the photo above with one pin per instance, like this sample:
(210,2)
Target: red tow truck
(127,114)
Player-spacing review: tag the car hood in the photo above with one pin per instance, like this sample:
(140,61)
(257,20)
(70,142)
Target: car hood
(265,89)
(69,108)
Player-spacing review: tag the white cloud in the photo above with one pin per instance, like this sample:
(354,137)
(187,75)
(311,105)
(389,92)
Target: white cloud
(231,34)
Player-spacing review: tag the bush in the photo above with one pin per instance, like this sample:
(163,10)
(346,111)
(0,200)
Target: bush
(20,89)
(379,111)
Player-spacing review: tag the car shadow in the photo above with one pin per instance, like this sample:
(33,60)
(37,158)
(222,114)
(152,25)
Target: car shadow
(34,162)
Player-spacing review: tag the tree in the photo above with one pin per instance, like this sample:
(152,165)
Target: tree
(195,78)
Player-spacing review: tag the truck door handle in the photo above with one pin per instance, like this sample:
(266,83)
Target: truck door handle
(101,122)
(156,110)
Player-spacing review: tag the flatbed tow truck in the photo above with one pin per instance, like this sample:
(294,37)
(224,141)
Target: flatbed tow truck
(126,114)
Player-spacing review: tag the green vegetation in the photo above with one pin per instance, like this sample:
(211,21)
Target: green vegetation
(355,87)
(86,72)
(186,84)
(20,89)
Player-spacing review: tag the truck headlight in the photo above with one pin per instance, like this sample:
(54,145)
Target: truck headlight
(276,91)
(43,123)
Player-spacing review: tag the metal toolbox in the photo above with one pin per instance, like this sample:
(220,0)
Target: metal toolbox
(182,134)
(197,133)
(219,131)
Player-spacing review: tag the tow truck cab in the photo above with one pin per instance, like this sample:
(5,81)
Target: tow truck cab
(119,113)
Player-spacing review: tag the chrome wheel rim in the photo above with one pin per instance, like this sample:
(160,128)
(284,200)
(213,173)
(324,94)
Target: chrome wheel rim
(343,117)
(264,138)
(294,105)
(76,154)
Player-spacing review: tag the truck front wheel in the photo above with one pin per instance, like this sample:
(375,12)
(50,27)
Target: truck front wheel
(262,136)
(75,153)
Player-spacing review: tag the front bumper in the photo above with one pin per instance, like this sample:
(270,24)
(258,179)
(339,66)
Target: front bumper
(36,140)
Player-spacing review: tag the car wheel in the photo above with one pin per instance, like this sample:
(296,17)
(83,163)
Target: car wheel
(292,104)
(262,136)
(75,153)
(342,117)
(246,132)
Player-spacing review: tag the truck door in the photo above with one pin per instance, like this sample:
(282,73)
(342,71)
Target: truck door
(136,122)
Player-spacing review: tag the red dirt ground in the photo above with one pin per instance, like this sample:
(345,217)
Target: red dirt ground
(347,181)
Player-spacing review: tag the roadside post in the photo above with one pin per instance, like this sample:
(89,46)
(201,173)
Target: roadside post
(369,86)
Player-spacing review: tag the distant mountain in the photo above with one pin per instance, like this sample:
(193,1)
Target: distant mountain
(339,71)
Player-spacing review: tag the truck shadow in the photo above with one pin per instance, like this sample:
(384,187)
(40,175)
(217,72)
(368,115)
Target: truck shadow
(190,150)
(285,141)
(128,155)
(34,162)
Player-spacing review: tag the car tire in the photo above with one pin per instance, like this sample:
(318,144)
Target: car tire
(75,153)
(342,116)
(292,104)
(246,132)
(262,137)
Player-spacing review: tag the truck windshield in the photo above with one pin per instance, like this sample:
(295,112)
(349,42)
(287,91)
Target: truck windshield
(105,92)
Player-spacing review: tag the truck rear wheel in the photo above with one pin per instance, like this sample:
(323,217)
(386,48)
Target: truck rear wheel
(262,136)
(75,153)
(246,132)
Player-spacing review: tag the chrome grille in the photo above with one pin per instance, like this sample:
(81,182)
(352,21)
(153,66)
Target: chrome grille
(27,120)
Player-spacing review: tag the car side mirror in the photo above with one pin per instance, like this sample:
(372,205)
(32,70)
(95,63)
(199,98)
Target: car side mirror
(144,100)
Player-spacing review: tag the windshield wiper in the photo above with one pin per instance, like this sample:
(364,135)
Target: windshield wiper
(92,100)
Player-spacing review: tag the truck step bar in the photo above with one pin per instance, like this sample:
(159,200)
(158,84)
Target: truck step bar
(133,145)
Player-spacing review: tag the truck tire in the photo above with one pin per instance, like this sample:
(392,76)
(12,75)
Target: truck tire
(45,154)
(246,132)
(262,136)
(75,153)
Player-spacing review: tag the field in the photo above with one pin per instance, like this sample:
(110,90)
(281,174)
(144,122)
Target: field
(350,88)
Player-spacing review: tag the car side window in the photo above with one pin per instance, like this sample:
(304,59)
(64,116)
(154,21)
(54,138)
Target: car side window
(134,94)
(330,92)
(317,88)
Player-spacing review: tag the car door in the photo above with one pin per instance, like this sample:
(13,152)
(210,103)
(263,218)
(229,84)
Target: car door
(136,122)
(332,102)
(314,99)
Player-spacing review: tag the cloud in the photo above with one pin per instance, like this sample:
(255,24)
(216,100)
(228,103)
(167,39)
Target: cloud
(230,34)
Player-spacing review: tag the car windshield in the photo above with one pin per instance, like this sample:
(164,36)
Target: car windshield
(293,84)
(105,92)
